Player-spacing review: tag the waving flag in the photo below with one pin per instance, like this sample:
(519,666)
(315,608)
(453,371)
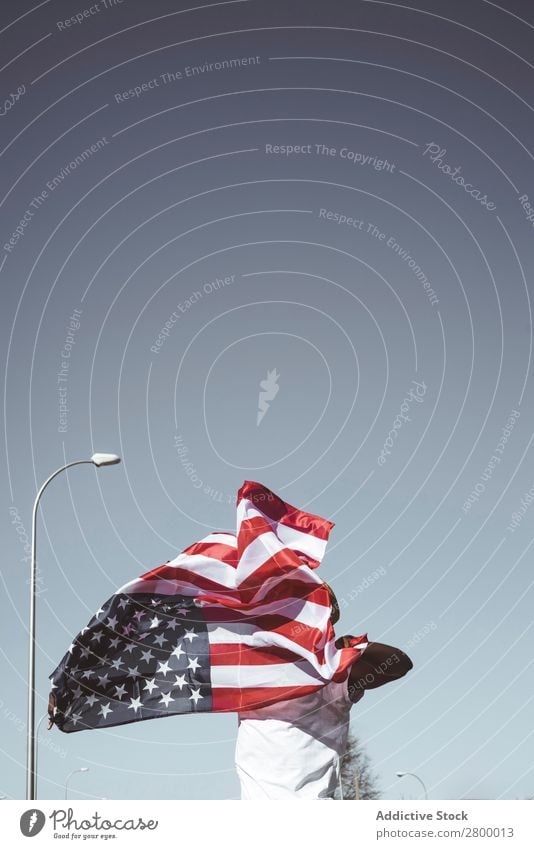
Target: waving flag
(234,622)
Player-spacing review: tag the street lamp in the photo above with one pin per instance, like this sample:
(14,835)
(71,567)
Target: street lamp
(97,460)
(420,780)
(81,769)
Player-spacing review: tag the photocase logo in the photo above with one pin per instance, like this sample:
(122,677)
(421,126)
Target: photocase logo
(31,822)
(268,392)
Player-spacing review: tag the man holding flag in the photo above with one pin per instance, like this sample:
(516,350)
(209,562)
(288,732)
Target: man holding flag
(294,748)
(237,622)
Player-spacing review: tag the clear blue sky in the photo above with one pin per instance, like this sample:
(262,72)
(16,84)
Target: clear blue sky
(198,260)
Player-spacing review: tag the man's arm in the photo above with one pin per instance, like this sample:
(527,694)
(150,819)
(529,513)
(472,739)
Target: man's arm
(378,665)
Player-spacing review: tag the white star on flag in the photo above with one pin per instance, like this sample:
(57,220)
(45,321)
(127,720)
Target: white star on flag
(147,656)
(133,672)
(164,668)
(195,695)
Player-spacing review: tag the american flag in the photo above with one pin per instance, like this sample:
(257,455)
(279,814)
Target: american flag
(236,621)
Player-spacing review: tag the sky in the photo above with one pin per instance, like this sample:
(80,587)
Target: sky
(334,199)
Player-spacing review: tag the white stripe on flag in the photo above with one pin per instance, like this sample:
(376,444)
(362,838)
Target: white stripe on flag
(220,537)
(293,538)
(260,550)
(299,541)
(297,612)
(249,636)
(158,586)
(208,567)
(235,633)
(268,675)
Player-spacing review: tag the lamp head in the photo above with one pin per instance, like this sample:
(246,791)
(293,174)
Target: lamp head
(84,769)
(105,459)
(400,774)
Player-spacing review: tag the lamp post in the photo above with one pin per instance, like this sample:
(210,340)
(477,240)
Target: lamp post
(81,769)
(97,460)
(44,716)
(420,780)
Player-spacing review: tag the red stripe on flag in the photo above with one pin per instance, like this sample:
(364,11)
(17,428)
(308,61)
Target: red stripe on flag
(308,638)
(249,698)
(217,550)
(238,654)
(177,575)
(287,582)
(304,636)
(273,507)
(254,527)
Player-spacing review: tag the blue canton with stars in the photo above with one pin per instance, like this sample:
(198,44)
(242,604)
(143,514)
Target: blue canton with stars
(141,656)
